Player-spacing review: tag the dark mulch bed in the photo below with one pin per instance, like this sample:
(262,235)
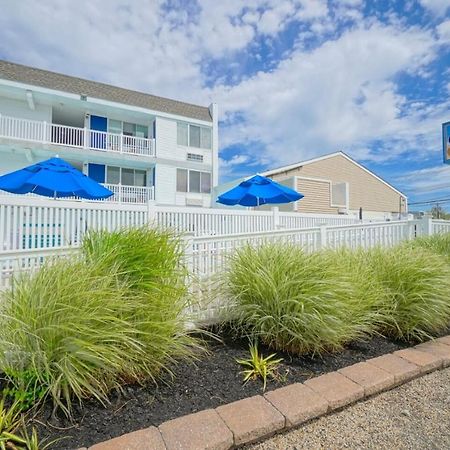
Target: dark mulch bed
(214,380)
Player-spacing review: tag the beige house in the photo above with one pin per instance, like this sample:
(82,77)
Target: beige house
(337,184)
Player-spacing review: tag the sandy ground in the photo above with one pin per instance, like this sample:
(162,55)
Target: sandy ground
(413,416)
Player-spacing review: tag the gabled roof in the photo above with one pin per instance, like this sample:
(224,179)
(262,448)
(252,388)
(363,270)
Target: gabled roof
(330,155)
(65,83)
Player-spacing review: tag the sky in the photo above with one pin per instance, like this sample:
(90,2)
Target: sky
(294,79)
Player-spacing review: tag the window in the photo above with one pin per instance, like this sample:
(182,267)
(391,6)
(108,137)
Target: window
(194,136)
(113,175)
(115,126)
(193,181)
(205,141)
(129,129)
(140,178)
(126,128)
(127,177)
(194,157)
(182,180)
(141,131)
(206,183)
(182,134)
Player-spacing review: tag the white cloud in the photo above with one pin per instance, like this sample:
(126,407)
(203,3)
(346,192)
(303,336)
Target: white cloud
(437,7)
(338,96)
(443,30)
(433,180)
(341,94)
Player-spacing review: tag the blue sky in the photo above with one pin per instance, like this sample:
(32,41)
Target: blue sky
(294,79)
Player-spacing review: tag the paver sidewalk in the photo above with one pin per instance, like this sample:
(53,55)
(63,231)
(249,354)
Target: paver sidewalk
(413,416)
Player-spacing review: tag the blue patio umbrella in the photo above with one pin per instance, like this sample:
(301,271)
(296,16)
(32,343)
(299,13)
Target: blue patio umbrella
(53,178)
(259,190)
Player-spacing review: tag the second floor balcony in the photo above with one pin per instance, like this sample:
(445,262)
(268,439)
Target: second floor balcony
(67,136)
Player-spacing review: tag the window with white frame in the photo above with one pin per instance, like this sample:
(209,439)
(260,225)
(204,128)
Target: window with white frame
(127,128)
(190,135)
(125,176)
(193,181)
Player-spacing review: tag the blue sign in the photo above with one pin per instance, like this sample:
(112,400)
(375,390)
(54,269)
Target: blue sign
(446,141)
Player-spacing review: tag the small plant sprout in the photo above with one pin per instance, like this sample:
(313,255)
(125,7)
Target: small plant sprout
(259,367)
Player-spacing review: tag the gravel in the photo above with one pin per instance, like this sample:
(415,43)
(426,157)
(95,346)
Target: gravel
(413,416)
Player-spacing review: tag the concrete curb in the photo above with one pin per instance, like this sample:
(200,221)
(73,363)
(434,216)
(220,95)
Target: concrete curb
(259,417)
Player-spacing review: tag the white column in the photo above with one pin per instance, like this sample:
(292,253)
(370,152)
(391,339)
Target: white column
(214,111)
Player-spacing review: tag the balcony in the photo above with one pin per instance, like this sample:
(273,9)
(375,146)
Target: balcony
(130,194)
(136,195)
(66,136)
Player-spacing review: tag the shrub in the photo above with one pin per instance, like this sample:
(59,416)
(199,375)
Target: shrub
(294,301)
(83,327)
(438,243)
(416,286)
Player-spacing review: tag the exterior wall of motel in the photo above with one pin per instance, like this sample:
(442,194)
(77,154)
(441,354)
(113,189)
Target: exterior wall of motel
(316,180)
(161,170)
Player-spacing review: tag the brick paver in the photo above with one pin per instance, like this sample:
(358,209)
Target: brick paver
(298,403)
(444,340)
(199,431)
(402,369)
(147,439)
(251,419)
(371,378)
(426,361)
(438,349)
(336,388)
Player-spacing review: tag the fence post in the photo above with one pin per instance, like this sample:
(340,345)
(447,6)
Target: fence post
(426,225)
(189,252)
(323,241)
(276,217)
(151,213)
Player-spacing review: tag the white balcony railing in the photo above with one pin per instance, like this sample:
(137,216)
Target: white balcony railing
(138,195)
(51,133)
(130,194)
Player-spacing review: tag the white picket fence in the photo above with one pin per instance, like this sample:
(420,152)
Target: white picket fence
(32,232)
(209,254)
(28,225)
(33,223)
(440,226)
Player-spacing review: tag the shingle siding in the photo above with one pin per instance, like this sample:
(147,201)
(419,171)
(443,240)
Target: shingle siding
(73,85)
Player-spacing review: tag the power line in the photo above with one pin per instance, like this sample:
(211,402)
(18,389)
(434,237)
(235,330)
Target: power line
(430,202)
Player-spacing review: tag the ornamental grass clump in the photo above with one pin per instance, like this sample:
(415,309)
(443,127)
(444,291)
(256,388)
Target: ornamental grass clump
(149,259)
(81,327)
(416,285)
(294,301)
(438,243)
